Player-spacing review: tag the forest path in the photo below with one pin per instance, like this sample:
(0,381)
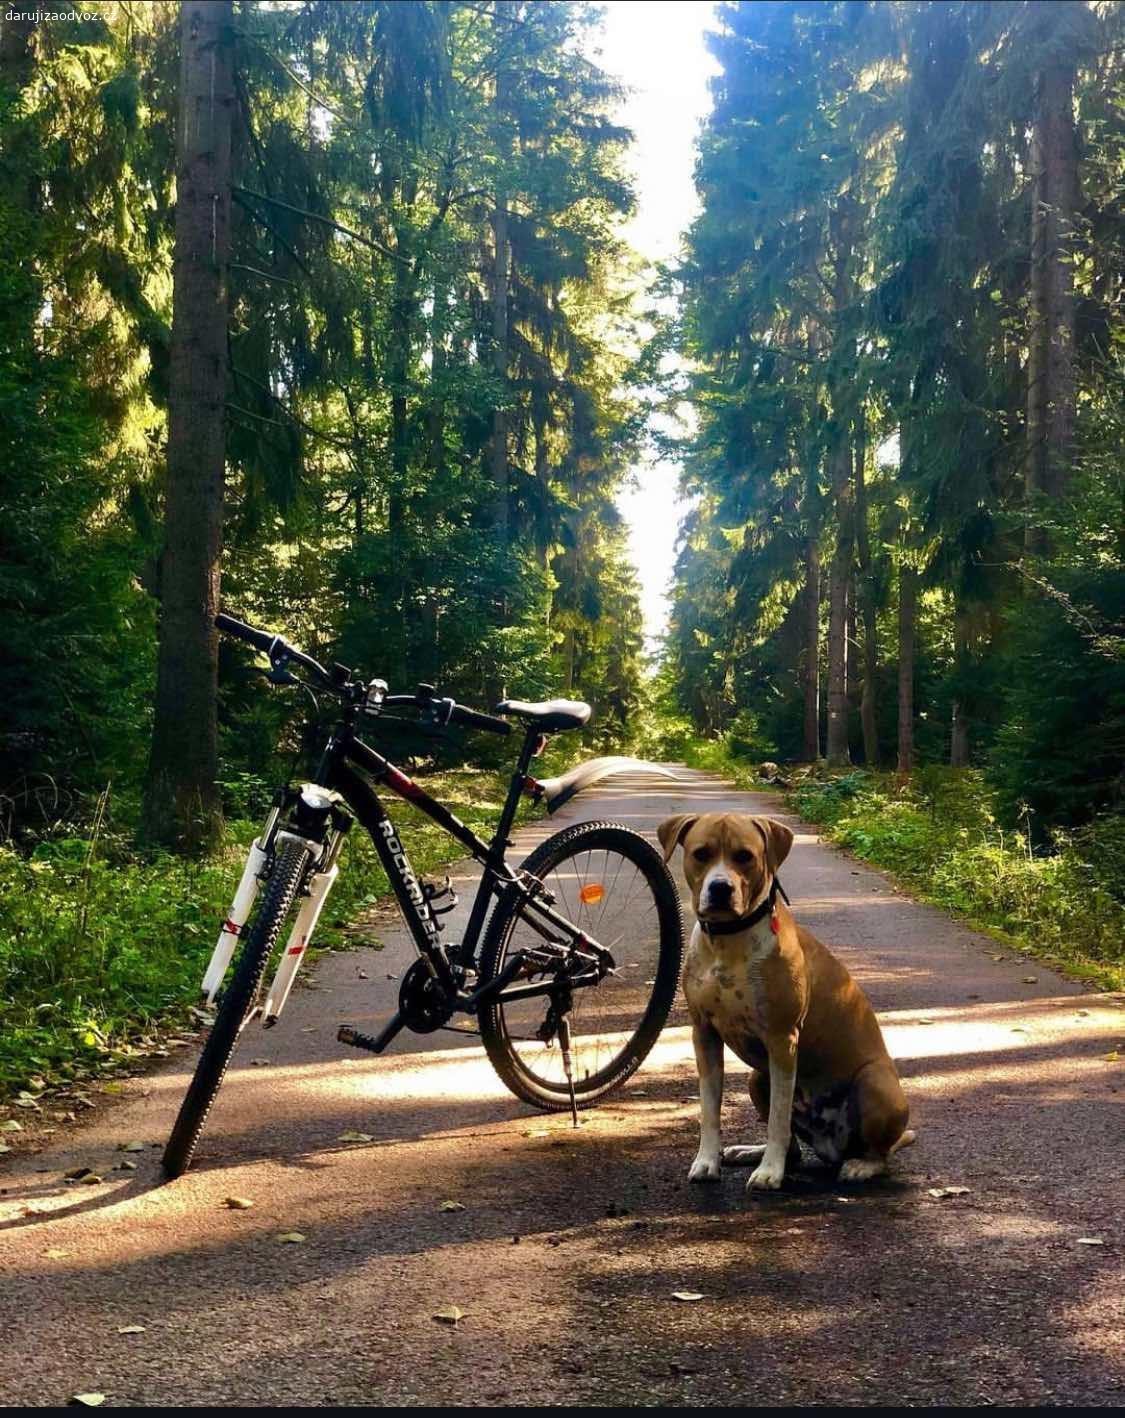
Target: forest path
(571,1243)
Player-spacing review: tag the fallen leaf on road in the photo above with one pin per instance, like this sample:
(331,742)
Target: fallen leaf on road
(56,1253)
(88,1400)
(1031,979)
(290,1238)
(238,1203)
(450,1315)
(940,1192)
(538,1132)
(126,1166)
(4,1147)
(258,1063)
(130,1147)
(352,1136)
(923,1021)
(10,1125)
(1113,1056)
(77,1173)
(91,1179)
(686,1295)
(130,1329)
(1090,1241)
(451,1206)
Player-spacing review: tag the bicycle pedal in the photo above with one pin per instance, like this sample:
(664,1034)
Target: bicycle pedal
(347,1035)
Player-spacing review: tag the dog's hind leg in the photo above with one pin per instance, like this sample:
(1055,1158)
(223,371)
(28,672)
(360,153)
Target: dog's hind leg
(883,1112)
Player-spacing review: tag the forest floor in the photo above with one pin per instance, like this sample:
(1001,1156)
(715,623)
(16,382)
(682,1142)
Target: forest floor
(571,1244)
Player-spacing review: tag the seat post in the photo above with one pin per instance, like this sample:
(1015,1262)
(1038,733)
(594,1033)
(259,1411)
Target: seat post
(515,787)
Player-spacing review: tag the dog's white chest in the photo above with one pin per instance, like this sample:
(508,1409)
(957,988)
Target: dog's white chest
(725,987)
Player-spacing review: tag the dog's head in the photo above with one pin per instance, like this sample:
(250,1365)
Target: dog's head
(729,858)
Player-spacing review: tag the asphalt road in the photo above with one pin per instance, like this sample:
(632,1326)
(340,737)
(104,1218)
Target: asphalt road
(571,1244)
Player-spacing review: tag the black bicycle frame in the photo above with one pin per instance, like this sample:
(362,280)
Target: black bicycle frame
(342,755)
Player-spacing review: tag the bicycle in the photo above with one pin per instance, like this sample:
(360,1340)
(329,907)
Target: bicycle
(568,1002)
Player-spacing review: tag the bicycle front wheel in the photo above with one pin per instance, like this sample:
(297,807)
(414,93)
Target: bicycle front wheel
(235,1007)
(611,884)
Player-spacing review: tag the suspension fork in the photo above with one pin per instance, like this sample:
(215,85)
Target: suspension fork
(241,907)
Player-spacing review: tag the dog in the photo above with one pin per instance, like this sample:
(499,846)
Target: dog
(765,987)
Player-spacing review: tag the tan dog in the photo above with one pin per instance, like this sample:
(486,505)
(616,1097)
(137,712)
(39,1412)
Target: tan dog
(759,983)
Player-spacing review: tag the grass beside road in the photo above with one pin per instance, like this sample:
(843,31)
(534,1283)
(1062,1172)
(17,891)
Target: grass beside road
(937,834)
(101,952)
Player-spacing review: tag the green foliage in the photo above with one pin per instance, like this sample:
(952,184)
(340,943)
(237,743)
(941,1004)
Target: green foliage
(855,313)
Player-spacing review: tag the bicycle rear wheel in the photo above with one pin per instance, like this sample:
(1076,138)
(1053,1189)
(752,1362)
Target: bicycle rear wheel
(237,1002)
(610,883)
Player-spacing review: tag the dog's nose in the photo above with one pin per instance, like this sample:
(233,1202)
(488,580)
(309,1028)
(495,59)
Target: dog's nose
(719,892)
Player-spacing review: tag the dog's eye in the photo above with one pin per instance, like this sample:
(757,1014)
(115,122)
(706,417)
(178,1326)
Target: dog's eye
(701,853)
(743,857)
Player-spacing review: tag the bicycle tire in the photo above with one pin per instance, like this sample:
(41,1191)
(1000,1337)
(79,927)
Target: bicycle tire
(500,1045)
(234,1007)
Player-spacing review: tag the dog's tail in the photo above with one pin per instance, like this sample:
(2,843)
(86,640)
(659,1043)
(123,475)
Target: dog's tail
(904,1141)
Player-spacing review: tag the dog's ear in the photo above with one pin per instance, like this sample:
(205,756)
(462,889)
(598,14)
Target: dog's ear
(671,831)
(779,839)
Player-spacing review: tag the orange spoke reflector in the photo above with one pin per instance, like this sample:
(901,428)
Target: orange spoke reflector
(589,894)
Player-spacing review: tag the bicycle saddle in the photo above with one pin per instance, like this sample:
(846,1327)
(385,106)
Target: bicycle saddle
(551,715)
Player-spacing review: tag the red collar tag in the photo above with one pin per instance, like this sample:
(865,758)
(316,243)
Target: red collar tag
(775,924)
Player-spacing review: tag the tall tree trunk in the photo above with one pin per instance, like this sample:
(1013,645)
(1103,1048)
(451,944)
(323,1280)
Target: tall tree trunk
(839,574)
(181,803)
(501,259)
(17,56)
(838,752)
(1050,365)
(959,746)
(907,594)
(398,376)
(811,750)
(866,595)
(841,477)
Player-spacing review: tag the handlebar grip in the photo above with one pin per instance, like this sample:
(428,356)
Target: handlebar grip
(241,631)
(473,720)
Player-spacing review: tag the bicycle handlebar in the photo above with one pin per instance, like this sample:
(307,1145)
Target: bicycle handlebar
(277,647)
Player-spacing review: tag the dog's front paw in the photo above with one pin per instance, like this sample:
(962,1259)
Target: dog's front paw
(768,1176)
(705,1168)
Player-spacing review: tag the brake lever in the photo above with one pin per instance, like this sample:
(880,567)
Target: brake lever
(278,674)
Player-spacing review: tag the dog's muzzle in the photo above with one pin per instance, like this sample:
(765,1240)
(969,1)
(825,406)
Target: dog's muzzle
(719,895)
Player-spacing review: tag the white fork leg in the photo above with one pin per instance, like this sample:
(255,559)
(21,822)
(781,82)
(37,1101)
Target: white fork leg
(299,938)
(232,926)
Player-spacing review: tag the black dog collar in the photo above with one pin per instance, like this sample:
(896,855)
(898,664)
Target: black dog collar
(743,923)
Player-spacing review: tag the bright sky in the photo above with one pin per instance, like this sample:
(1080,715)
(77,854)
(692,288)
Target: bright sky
(656,48)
